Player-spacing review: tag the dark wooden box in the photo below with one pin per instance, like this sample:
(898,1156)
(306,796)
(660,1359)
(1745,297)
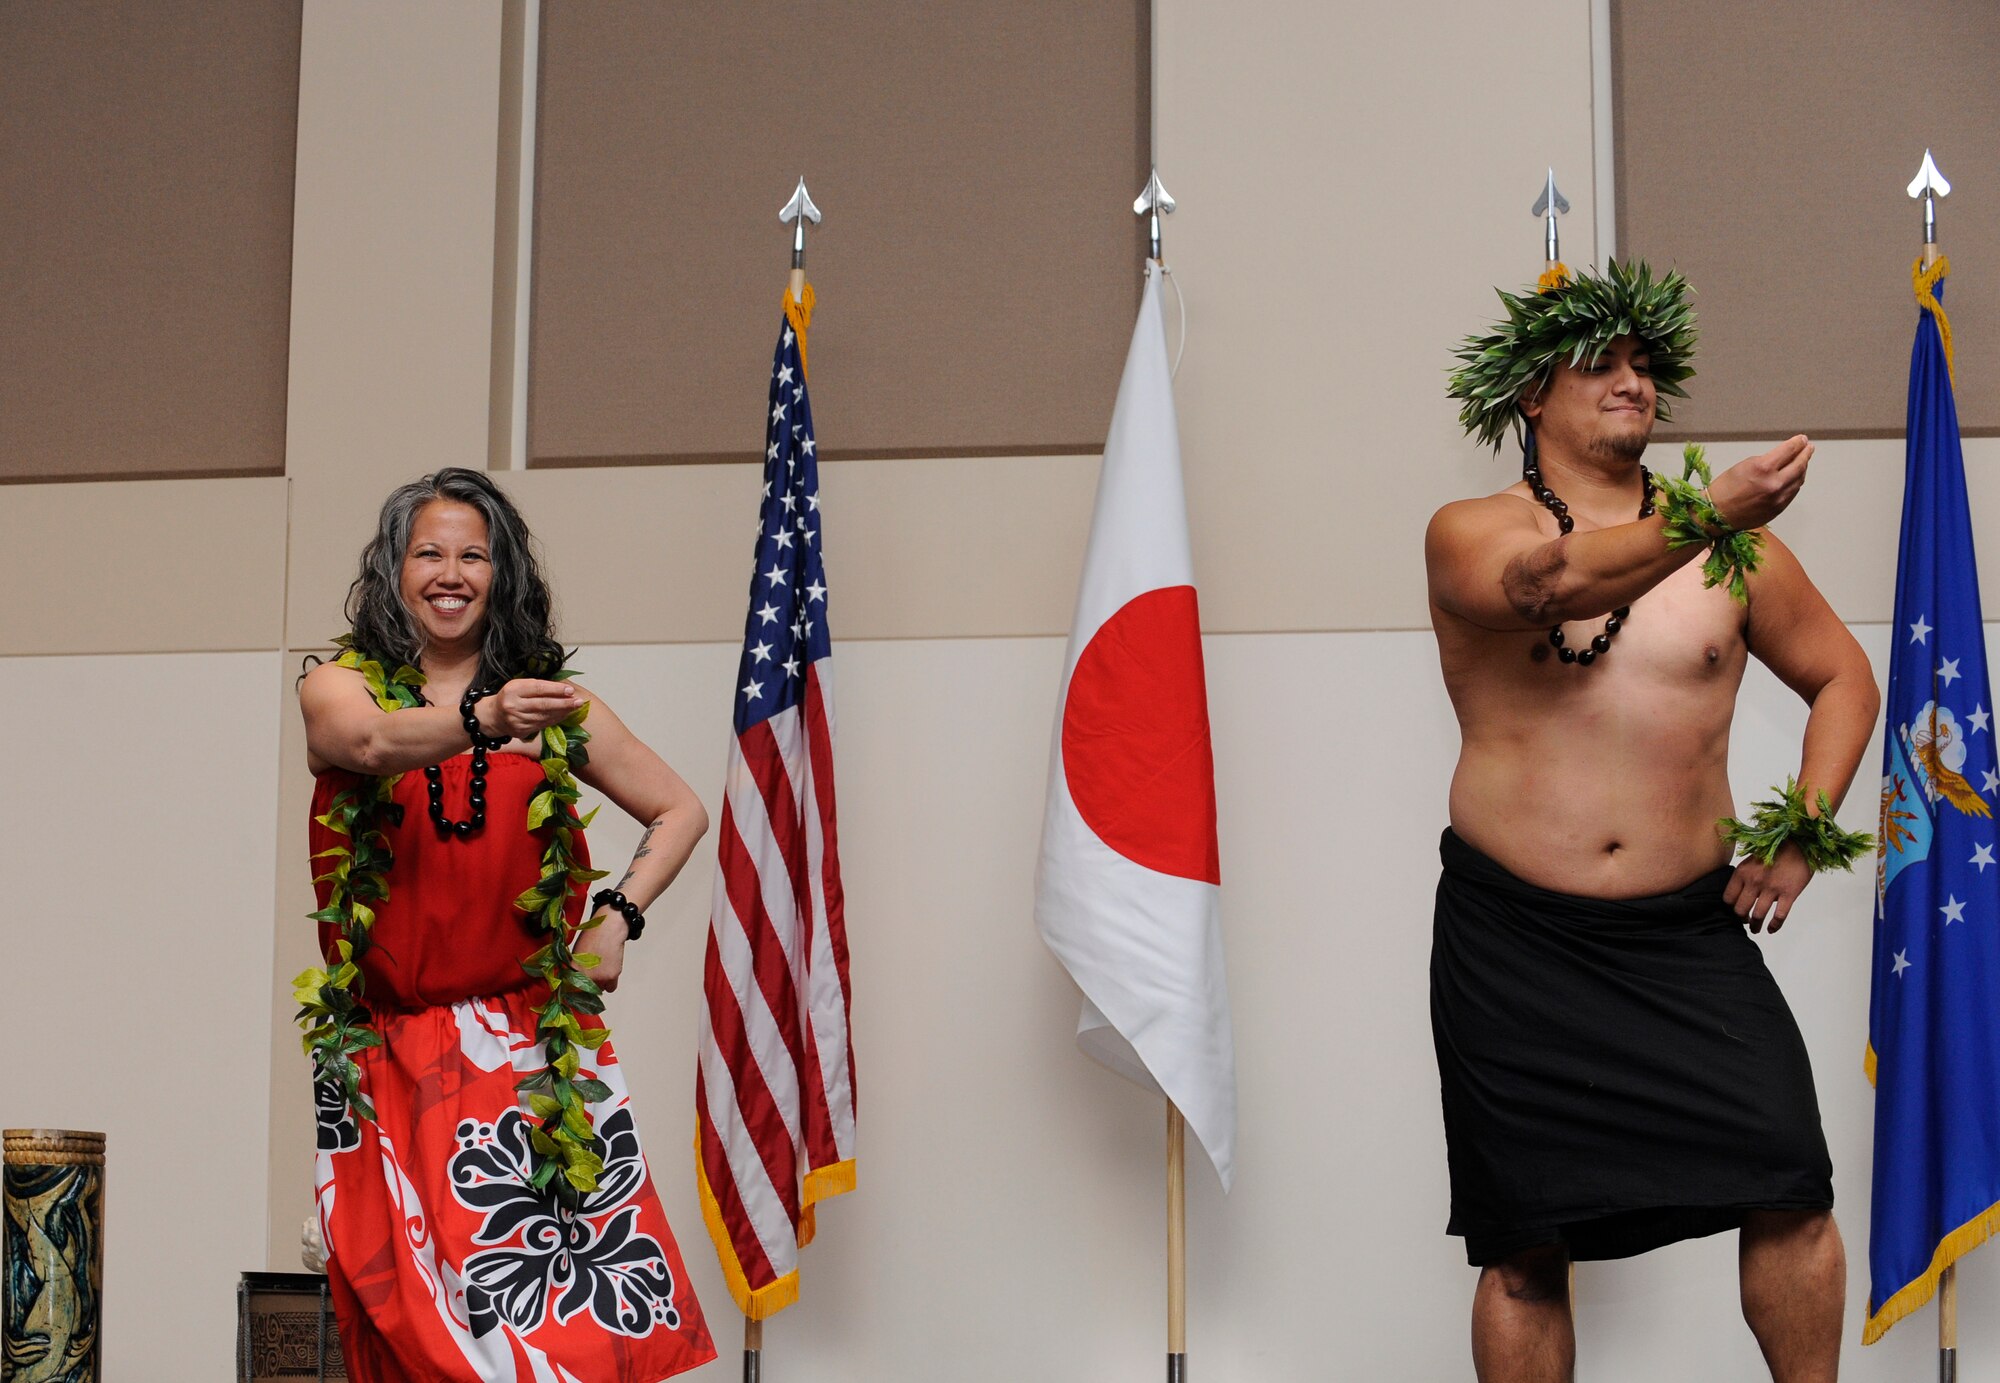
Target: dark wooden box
(285,1330)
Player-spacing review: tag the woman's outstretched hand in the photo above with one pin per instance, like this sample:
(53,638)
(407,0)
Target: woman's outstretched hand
(525,707)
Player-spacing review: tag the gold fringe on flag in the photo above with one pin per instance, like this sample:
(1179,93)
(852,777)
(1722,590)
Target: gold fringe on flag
(1953,1247)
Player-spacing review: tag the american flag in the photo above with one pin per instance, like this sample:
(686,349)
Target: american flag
(774,1091)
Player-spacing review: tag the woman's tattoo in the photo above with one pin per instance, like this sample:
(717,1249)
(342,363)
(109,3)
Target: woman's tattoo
(645,849)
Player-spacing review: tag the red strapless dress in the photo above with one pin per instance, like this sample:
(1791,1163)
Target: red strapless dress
(444,1263)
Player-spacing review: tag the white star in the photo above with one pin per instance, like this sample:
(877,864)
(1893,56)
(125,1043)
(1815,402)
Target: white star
(791,667)
(776,575)
(1982,855)
(797,428)
(808,627)
(783,536)
(798,394)
(752,690)
(784,374)
(788,336)
(1902,963)
(1919,631)
(802,525)
(1977,720)
(1948,671)
(816,591)
(1954,911)
(799,630)
(1992,783)
(809,444)
(771,452)
(807,533)
(769,614)
(777,412)
(767,489)
(789,500)
(761,652)
(812,502)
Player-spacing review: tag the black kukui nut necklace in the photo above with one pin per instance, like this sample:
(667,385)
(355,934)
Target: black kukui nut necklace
(1531,471)
(434,775)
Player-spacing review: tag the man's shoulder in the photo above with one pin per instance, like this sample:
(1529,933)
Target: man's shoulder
(1481,515)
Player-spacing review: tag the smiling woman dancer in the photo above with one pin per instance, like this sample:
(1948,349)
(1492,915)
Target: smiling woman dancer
(486,1209)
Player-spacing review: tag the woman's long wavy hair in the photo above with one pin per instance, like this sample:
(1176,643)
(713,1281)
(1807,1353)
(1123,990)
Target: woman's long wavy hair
(520,636)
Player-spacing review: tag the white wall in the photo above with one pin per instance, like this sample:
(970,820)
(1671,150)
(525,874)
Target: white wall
(135,961)
(1008,1222)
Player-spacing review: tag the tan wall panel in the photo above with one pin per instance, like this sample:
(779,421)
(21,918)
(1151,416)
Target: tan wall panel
(1353,181)
(135,954)
(976,266)
(146,230)
(1765,150)
(142,566)
(392,302)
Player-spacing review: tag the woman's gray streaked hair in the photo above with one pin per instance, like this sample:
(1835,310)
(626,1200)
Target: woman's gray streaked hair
(520,634)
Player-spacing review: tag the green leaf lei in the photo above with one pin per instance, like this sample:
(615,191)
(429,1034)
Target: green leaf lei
(1573,321)
(331,1009)
(1771,824)
(1692,518)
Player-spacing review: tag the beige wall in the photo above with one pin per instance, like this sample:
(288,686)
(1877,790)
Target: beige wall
(135,955)
(1342,223)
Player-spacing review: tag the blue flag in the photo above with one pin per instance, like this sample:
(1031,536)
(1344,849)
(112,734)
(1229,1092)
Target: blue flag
(1934,1010)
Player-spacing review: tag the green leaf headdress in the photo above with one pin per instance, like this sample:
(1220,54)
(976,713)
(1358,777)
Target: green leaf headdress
(1572,319)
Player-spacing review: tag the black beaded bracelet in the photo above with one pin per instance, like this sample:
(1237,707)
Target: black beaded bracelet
(635,921)
(480,739)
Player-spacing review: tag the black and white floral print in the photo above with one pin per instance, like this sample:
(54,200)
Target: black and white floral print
(594,1259)
(337,1132)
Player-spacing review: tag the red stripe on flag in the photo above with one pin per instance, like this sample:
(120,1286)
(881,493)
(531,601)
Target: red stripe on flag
(758,1271)
(765,760)
(819,742)
(754,1101)
(767,957)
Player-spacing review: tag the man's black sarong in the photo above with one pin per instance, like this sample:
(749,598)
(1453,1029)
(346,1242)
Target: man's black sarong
(1617,1074)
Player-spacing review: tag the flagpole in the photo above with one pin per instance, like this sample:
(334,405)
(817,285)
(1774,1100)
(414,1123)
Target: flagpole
(1927,187)
(1154,202)
(795,213)
(1948,1325)
(1176,1244)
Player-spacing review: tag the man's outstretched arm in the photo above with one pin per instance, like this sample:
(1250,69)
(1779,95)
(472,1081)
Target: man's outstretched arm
(1490,563)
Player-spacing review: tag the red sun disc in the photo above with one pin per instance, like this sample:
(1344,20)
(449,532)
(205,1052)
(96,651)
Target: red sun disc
(1135,742)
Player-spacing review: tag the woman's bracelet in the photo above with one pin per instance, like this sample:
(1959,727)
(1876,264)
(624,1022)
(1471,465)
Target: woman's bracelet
(1819,837)
(1692,519)
(635,921)
(480,739)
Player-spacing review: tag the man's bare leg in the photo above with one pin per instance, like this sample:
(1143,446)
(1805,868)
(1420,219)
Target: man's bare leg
(1521,1326)
(1794,1275)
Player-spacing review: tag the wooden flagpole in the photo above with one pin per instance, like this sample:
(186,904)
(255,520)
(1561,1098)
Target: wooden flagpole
(1948,1325)
(1176,1245)
(753,1350)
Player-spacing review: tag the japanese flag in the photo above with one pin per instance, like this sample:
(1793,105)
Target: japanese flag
(1127,894)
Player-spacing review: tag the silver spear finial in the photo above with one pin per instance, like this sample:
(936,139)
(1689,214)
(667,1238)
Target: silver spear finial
(1154,203)
(1548,206)
(1930,185)
(798,211)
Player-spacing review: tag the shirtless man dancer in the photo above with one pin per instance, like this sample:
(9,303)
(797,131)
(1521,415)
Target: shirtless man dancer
(1619,1070)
